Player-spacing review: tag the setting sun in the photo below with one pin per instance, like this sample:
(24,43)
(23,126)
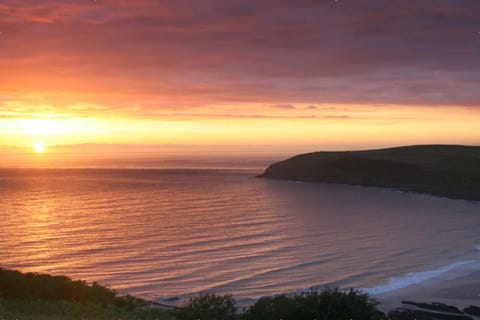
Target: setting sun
(39,147)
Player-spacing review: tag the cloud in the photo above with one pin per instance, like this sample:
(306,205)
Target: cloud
(285,106)
(132,56)
(311,107)
(193,116)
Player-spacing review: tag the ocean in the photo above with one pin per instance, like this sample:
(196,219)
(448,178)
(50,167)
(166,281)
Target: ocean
(176,232)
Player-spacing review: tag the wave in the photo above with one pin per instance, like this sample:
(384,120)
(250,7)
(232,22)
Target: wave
(413,278)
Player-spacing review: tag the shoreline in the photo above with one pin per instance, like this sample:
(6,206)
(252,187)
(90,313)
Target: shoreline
(458,286)
(450,295)
(460,290)
(402,189)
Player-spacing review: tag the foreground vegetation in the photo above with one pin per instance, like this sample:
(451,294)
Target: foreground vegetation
(443,170)
(41,296)
(67,310)
(32,296)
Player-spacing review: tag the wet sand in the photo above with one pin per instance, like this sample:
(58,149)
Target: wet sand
(458,291)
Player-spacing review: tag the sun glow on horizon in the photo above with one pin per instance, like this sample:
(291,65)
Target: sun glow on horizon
(349,127)
(39,147)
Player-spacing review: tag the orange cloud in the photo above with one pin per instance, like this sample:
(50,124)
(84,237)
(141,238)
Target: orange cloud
(342,67)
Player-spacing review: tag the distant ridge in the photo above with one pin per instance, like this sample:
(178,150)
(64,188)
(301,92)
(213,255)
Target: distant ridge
(451,171)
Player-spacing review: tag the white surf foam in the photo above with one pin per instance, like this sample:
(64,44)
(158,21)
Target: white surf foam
(413,278)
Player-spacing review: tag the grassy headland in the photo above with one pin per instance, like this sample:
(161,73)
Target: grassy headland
(444,170)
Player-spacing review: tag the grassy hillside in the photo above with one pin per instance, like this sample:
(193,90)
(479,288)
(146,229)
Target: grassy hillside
(66,310)
(444,170)
(32,296)
(26,296)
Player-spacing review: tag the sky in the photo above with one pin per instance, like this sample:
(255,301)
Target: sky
(298,75)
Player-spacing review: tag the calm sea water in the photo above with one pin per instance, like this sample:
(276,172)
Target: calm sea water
(160,233)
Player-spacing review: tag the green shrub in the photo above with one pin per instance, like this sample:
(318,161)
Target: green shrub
(321,305)
(278,307)
(209,306)
(67,310)
(40,296)
(33,286)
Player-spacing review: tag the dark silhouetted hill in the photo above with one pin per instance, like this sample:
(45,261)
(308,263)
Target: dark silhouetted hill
(444,170)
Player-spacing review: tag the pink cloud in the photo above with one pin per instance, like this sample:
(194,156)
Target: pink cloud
(147,55)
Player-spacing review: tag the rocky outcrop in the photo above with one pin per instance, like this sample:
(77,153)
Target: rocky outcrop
(432,311)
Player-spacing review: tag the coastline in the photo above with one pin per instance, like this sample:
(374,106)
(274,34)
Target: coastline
(451,295)
(369,184)
(460,290)
(459,286)
(449,171)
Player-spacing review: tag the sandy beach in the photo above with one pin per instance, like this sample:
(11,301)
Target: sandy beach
(461,291)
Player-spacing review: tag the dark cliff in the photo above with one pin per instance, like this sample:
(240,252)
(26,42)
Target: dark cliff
(445,170)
